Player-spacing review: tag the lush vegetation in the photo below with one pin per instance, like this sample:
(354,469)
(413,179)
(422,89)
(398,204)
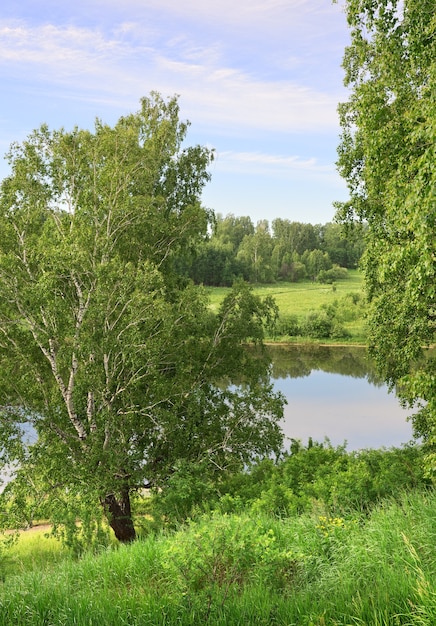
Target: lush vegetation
(151,415)
(292,252)
(312,311)
(387,156)
(108,356)
(321,537)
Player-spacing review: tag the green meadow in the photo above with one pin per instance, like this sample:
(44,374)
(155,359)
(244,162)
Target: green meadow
(303,298)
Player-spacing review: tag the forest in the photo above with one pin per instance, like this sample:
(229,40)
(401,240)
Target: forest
(236,249)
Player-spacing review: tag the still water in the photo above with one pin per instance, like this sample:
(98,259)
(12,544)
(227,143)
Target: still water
(335,392)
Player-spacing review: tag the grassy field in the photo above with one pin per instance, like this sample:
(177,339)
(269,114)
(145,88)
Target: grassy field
(297,298)
(300,299)
(373,569)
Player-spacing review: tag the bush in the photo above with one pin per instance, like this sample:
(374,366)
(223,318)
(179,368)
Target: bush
(339,332)
(288,325)
(321,476)
(327,323)
(280,500)
(346,309)
(317,325)
(335,273)
(188,493)
(228,552)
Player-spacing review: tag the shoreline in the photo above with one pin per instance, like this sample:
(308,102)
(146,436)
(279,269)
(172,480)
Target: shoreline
(314,344)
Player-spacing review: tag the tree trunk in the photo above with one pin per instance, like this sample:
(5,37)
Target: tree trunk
(119,516)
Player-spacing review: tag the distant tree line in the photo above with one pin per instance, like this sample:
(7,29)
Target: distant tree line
(289,251)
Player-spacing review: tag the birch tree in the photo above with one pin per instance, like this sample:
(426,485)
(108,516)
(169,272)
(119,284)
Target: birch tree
(116,363)
(388,155)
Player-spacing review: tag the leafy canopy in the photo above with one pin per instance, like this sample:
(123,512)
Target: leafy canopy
(114,361)
(387,155)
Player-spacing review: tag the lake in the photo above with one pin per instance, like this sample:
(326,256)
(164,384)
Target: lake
(335,392)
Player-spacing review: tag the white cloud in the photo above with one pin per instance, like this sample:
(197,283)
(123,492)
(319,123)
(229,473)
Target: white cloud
(275,166)
(93,65)
(286,162)
(52,47)
(245,13)
(241,100)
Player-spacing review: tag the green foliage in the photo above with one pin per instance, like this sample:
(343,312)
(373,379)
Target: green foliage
(237,569)
(346,309)
(6,543)
(329,322)
(312,478)
(188,492)
(228,553)
(286,325)
(113,358)
(316,261)
(254,253)
(323,324)
(321,476)
(317,325)
(387,156)
(345,306)
(283,535)
(236,249)
(331,275)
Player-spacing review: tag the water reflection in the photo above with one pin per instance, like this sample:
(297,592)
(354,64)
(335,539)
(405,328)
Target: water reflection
(335,392)
(297,361)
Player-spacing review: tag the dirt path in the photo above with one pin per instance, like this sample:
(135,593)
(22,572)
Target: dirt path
(36,528)
(32,529)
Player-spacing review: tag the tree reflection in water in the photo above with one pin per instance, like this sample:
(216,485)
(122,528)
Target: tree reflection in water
(335,392)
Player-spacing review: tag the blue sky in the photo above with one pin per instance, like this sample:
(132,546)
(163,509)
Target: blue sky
(259,80)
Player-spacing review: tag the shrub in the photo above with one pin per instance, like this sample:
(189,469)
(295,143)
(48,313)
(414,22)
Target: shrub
(335,273)
(288,325)
(339,332)
(188,492)
(317,325)
(280,500)
(346,309)
(327,477)
(226,553)
(324,477)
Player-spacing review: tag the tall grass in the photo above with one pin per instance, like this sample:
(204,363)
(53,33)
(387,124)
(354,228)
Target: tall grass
(240,569)
(33,550)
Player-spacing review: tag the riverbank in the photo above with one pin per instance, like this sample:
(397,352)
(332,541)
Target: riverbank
(314,343)
(226,570)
